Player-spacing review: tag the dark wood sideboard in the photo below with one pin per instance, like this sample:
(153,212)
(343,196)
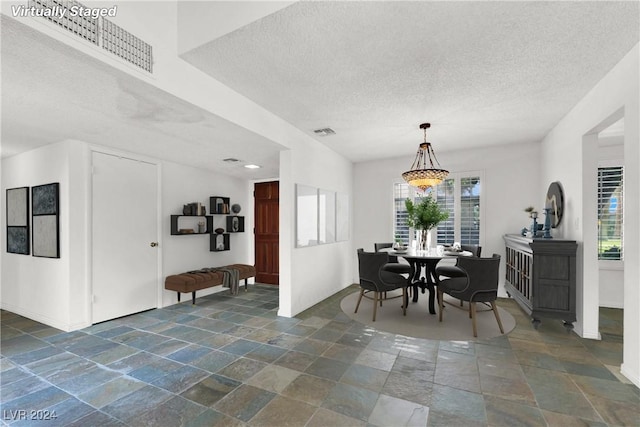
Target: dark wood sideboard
(541,277)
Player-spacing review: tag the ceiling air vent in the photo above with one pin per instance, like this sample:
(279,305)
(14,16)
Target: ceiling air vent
(324,132)
(230,160)
(90,24)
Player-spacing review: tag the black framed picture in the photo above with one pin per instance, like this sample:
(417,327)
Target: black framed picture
(18,221)
(45,207)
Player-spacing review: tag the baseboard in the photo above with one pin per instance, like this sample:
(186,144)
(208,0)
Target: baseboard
(586,335)
(54,323)
(635,379)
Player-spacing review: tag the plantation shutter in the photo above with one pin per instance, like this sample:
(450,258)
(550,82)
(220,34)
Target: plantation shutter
(400,228)
(445,196)
(610,213)
(470,210)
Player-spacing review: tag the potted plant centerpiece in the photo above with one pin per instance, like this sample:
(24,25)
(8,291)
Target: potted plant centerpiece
(422,217)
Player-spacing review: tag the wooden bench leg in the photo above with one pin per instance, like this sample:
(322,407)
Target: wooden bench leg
(178,296)
(245,284)
(193,297)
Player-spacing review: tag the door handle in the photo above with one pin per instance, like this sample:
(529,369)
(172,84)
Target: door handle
(153,244)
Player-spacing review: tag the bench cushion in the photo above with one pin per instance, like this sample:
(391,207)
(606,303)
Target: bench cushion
(190,282)
(206,278)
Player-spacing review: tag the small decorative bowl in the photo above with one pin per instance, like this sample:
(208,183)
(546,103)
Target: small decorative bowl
(219,230)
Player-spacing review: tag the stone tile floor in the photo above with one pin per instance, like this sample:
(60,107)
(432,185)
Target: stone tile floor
(231,361)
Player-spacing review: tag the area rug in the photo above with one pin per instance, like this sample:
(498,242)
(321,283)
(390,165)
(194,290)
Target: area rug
(418,323)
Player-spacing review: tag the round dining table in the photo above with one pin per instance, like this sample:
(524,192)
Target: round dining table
(428,259)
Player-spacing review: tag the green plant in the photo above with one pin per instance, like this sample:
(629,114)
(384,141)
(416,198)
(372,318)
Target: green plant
(424,215)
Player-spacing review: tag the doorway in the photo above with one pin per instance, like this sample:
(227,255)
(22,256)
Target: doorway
(267,230)
(610,230)
(124,236)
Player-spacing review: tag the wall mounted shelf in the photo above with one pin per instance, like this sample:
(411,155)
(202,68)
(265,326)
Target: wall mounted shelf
(219,242)
(190,222)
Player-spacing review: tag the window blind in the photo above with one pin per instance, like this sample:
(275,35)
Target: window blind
(445,196)
(610,213)
(400,228)
(470,210)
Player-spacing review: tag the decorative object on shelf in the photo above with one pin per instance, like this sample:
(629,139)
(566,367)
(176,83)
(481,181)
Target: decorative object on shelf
(547,223)
(195,208)
(235,224)
(555,202)
(235,208)
(45,219)
(186,231)
(18,221)
(533,214)
(219,205)
(201,227)
(219,230)
(423,217)
(422,175)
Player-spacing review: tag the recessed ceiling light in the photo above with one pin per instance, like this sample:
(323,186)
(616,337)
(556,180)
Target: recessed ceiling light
(252,166)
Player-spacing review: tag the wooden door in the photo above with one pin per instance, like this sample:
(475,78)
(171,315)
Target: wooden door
(267,217)
(125,232)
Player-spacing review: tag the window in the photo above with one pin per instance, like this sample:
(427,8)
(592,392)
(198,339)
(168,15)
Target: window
(610,213)
(470,210)
(459,195)
(400,227)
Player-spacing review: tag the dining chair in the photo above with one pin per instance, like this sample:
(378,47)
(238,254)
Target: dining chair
(374,279)
(393,265)
(479,285)
(454,270)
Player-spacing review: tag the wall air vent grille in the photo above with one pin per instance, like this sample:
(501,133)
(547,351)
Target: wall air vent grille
(125,45)
(82,26)
(324,132)
(76,18)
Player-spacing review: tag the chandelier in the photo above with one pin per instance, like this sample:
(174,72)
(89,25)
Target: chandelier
(420,175)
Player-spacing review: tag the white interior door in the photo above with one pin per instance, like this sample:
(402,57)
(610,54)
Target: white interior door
(125,252)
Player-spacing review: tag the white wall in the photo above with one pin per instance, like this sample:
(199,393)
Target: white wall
(57,291)
(309,275)
(565,152)
(510,183)
(181,185)
(47,289)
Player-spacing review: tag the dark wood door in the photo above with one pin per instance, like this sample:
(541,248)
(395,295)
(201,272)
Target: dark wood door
(267,217)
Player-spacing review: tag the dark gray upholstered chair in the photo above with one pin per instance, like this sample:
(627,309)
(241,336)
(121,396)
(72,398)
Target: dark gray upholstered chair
(454,270)
(373,279)
(393,265)
(479,284)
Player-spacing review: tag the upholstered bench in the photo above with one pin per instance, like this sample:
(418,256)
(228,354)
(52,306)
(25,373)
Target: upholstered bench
(206,278)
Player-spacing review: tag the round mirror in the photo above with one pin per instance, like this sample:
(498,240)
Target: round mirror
(555,202)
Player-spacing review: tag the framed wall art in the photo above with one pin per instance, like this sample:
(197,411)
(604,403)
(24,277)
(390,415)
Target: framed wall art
(45,207)
(18,221)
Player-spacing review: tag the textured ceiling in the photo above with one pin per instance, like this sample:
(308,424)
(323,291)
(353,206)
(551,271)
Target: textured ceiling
(52,92)
(483,73)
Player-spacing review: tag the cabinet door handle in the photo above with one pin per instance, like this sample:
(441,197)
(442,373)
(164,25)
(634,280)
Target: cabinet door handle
(153,244)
